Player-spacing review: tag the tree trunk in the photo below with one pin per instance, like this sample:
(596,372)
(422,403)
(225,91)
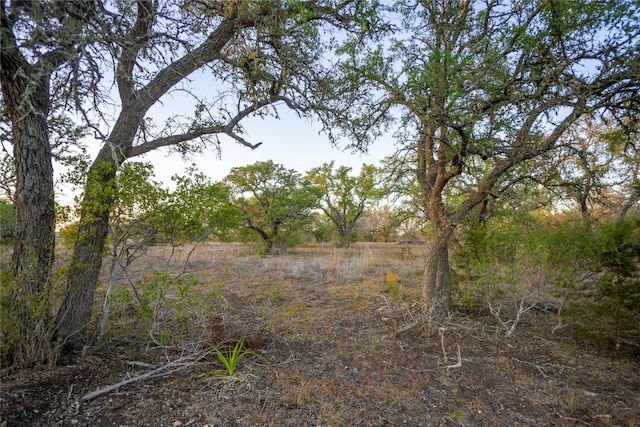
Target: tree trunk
(345,235)
(584,210)
(436,281)
(34,246)
(27,103)
(86,262)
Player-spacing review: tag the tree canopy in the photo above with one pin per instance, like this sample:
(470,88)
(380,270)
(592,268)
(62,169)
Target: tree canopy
(272,198)
(344,196)
(480,87)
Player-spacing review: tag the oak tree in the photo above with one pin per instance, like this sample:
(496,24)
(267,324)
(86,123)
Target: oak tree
(272,199)
(44,48)
(481,87)
(344,196)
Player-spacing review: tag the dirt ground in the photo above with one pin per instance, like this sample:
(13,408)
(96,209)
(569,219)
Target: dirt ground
(326,322)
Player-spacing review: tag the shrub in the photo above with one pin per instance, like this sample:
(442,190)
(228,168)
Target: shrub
(593,271)
(7,221)
(161,302)
(609,307)
(499,266)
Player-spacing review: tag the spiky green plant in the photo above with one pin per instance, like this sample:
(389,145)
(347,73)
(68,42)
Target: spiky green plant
(231,358)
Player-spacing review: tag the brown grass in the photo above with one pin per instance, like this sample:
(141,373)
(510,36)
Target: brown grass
(326,318)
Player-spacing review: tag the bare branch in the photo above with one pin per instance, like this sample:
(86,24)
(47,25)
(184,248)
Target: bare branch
(166,369)
(135,40)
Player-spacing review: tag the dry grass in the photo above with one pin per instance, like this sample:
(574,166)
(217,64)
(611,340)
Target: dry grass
(325,319)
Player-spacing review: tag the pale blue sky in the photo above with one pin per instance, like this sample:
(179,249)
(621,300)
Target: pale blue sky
(291,141)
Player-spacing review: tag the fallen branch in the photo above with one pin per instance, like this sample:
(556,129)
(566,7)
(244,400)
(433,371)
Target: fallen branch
(177,365)
(410,326)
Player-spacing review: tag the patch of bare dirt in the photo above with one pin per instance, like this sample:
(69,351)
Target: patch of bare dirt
(325,319)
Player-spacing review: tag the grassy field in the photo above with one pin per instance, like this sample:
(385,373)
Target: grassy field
(325,322)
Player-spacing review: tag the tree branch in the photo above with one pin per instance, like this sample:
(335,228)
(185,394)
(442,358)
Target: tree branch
(167,369)
(227,129)
(136,38)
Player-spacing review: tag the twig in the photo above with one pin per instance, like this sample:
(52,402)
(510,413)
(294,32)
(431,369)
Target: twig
(418,322)
(459,363)
(141,364)
(572,419)
(444,352)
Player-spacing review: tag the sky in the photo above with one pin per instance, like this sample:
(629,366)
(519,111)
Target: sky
(290,140)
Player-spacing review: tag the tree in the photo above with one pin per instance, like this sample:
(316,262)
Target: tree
(345,197)
(255,53)
(623,142)
(195,211)
(484,87)
(42,46)
(379,223)
(583,169)
(145,213)
(272,198)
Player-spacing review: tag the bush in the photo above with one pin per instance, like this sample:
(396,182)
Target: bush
(7,220)
(26,324)
(592,272)
(609,308)
(164,306)
(499,263)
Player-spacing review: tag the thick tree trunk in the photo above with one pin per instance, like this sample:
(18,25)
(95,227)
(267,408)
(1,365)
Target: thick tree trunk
(86,262)
(27,103)
(345,235)
(34,247)
(436,281)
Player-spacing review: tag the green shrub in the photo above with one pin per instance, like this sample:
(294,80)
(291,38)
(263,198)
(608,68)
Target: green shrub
(497,264)
(608,309)
(593,273)
(26,324)
(161,302)
(7,221)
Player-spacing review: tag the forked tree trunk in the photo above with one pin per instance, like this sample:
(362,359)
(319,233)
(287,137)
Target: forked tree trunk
(436,281)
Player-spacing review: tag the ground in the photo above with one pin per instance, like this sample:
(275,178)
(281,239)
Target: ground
(326,321)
